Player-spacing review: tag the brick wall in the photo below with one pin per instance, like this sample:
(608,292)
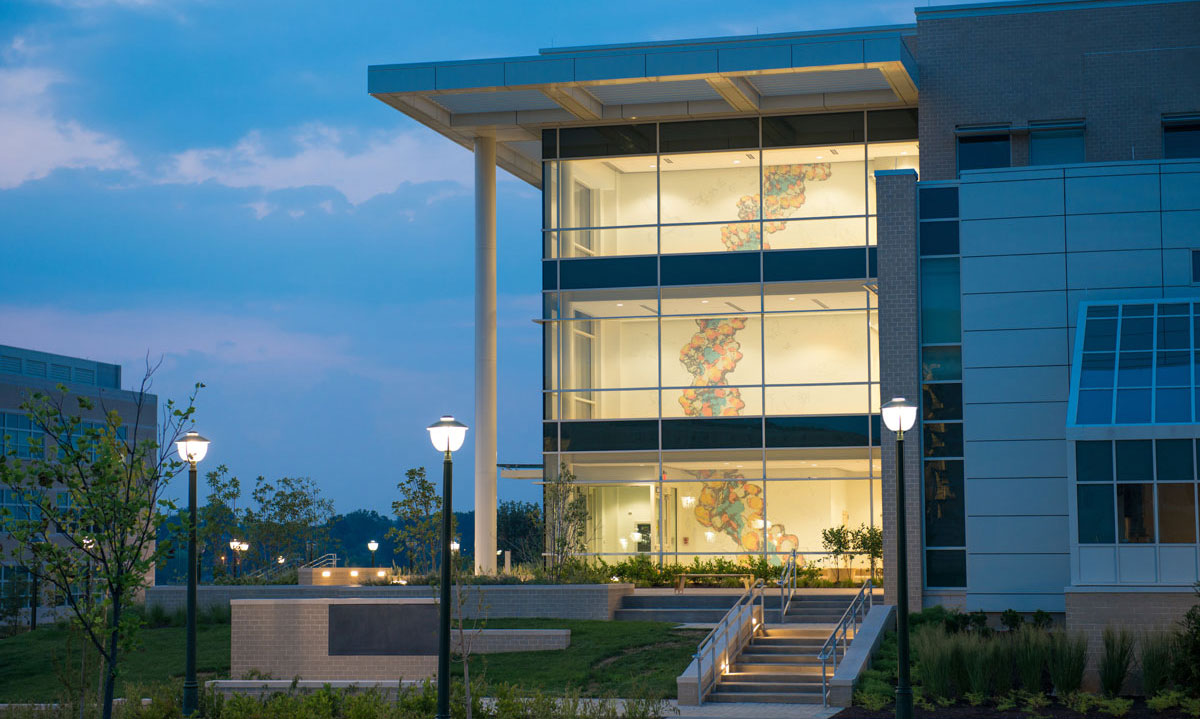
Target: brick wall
(286,639)
(569,601)
(1118,68)
(1138,611)
(290,639)
(899,365)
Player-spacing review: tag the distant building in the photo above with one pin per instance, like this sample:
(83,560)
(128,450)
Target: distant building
(23,372)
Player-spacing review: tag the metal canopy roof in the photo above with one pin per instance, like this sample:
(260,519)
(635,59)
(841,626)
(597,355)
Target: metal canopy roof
(513,99)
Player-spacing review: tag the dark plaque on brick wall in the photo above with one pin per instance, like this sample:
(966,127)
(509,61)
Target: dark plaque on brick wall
(383,630)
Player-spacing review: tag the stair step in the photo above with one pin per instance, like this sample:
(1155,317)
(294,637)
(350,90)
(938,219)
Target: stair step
(764,697)
(759,687)
(741,677)
(795,671)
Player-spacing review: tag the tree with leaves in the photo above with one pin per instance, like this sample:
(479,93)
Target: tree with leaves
(219,518)
(521,530)
(96,485)
(290,515)
(418,520)
(868,541)
(566,520)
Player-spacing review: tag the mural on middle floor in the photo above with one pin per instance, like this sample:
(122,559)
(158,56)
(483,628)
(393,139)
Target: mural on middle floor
(783,192)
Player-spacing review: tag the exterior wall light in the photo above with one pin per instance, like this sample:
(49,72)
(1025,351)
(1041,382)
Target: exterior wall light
(325,573)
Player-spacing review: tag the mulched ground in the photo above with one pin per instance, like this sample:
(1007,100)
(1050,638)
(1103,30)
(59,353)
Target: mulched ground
(966,711)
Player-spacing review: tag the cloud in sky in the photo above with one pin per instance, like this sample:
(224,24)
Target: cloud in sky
(35,141)
(319,155)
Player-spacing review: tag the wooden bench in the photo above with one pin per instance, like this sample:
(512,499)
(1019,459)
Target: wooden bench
(681,581)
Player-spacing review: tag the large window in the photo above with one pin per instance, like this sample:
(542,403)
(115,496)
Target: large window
(1181,138)
(1135,491)
(1134,364)
(984,151)
(711,329)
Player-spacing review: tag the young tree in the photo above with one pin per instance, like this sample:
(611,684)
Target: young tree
(566,519)
(291,514)
(837,542)
(418,517)
(219,518)
(96,488)
(869,541)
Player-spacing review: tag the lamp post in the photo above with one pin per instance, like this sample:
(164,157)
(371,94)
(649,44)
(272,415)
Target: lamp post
(372,545)
(899,415)
(192,449)
(447,435)
(234,546)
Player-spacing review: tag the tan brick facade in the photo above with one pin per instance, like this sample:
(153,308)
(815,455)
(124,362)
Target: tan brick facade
(1145,610)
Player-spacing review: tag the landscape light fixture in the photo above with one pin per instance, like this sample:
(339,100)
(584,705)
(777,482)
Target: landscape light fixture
(899,415)
(447,435)
(192,448)
(372,545)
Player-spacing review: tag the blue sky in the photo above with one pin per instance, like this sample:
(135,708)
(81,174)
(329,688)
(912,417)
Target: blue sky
(208,182)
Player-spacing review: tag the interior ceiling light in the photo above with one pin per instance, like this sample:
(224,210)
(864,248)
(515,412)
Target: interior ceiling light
(750,155)
(737,162)
(833,151)
(819,303)
(668,160)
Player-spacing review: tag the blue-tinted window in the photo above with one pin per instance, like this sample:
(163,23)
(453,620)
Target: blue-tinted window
(803,265)
(834,431)
(723,432)
(941,363)
(945,513)
(1097,369)
(714,268)
(601,435)
(939,238)
(1056,147)
(943,440)
(945,568)
(1174,460)
(1093,461)
(941,316)
(1181,140)
(1094,508)
(942,401)
(981,152)
(1133,406)
(1196,266)
(938,202)
(1135,513)
(608,272)
(1173,405)
(1094,407)
(1135,461)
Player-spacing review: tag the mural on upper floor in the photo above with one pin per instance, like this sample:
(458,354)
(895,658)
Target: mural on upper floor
(783,193)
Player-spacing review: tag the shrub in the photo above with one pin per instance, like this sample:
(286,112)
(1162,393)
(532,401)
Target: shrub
(1187,648)
(1030,648)
(1155,650)
(1042,619)
(874,701)
(1165,700)
(1114,663)
(1067,661)
(976,655)
(936,661)
(1000,660)
(1080,702)
(1011,620)
(1115,706)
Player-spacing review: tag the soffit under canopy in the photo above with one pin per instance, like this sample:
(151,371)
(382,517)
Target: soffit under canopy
(514,99)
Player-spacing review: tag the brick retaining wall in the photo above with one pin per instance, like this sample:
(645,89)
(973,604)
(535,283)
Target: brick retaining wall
(554,601)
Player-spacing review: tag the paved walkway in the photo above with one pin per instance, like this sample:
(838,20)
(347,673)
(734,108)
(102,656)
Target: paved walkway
(756,711)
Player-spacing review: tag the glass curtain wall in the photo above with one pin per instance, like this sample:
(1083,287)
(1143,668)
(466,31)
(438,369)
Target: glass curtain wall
(711,364)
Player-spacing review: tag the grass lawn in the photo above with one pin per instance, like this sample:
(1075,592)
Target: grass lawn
(31,663)
(604,657)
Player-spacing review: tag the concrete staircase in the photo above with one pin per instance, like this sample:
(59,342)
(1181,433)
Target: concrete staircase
(778,666)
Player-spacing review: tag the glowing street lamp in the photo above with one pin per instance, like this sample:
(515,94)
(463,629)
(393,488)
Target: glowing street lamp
(192,449)
(899,416)
(372,545)
(447,436)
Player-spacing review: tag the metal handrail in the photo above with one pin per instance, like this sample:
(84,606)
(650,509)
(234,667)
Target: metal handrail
(722,630)
(787,587)
(325,560)
(854,615)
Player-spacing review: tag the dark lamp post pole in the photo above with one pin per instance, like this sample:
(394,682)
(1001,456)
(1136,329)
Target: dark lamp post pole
(192,448)
(447,435)
(899,415)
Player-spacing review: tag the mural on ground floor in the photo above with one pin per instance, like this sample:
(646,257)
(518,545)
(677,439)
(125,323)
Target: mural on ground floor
(734,507)
(783,192)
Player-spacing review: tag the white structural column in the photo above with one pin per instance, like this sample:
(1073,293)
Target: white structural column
(485,355)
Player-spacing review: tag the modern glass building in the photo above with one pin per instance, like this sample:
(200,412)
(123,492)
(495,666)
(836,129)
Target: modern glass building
(748,242)
(711,328)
